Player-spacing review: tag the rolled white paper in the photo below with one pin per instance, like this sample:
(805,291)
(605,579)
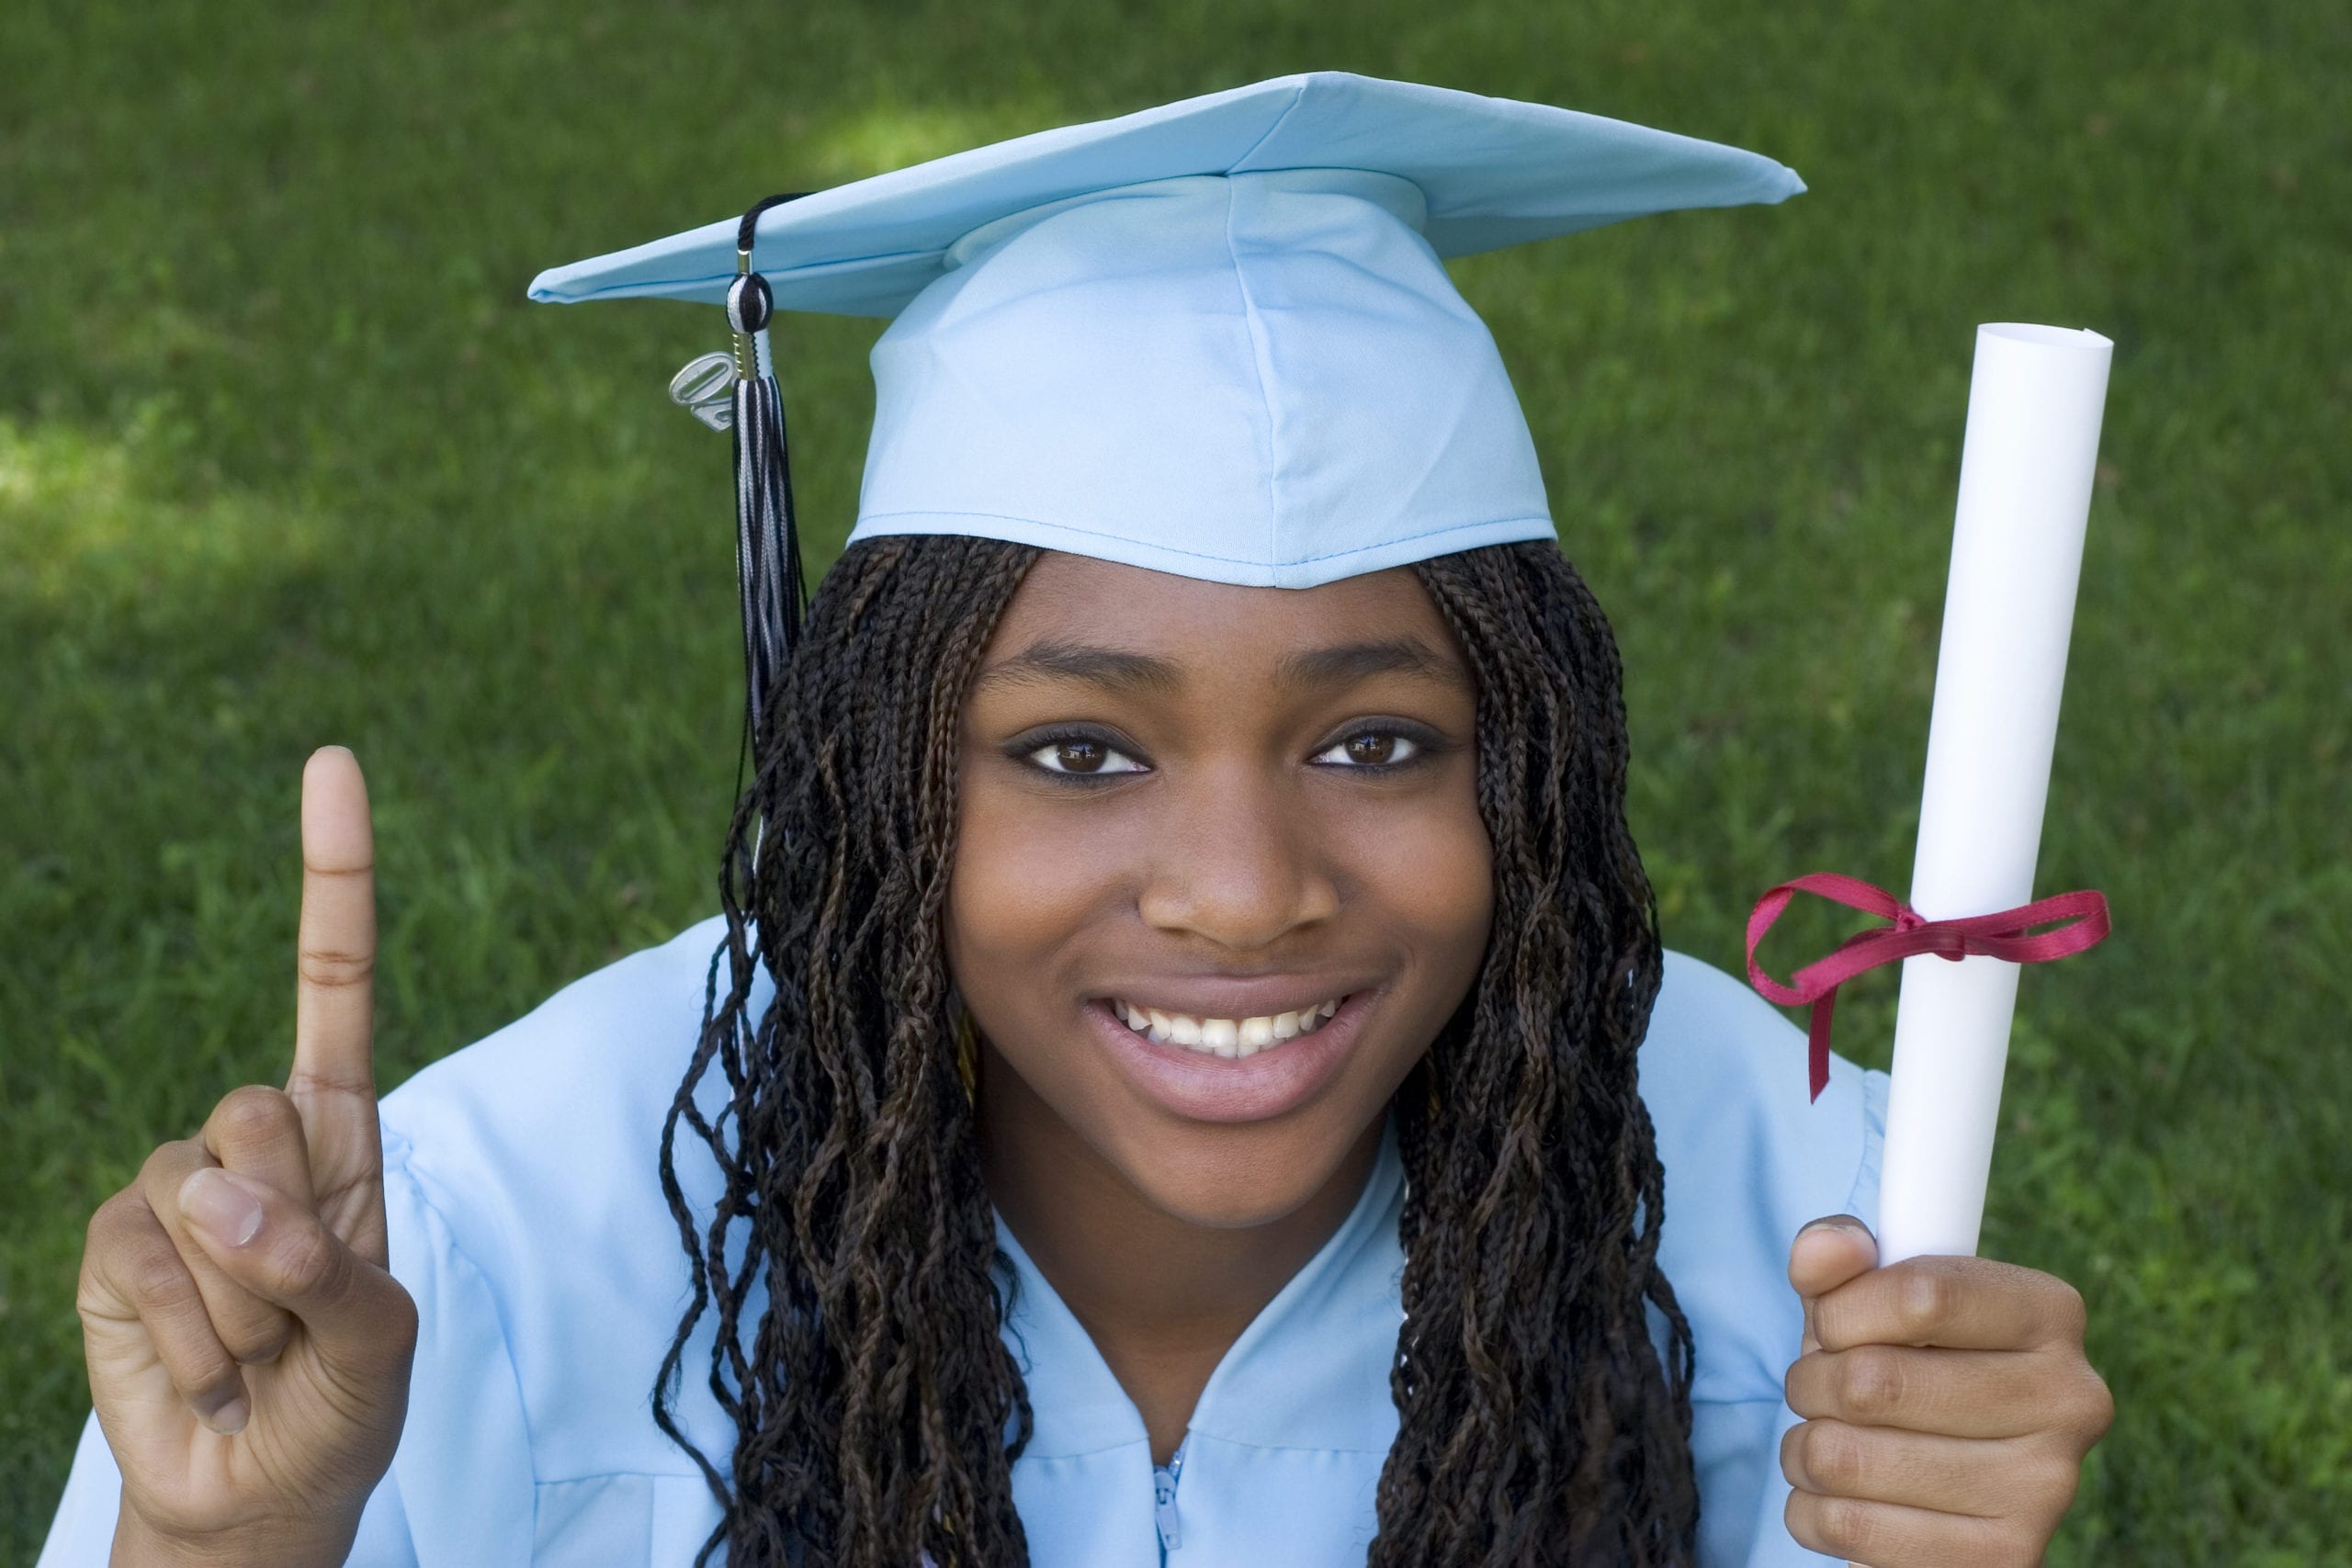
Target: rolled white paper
(2026,468)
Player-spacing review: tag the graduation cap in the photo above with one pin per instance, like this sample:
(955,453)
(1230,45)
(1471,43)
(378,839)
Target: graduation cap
(1215,338)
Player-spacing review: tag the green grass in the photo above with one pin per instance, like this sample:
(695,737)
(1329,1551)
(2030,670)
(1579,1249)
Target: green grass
(285,458)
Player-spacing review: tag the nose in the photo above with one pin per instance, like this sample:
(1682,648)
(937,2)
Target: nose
(1241,864)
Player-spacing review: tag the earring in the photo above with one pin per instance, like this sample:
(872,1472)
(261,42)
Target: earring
(967,1053)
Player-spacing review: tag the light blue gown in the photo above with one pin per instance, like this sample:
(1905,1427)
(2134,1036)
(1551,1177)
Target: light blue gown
(526,1221)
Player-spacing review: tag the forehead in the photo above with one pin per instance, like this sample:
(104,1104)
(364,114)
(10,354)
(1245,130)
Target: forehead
(1066,596)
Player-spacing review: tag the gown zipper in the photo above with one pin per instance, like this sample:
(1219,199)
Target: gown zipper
(1163,1500)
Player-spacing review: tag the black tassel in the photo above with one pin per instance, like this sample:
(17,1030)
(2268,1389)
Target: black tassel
(767,539)
(768,542)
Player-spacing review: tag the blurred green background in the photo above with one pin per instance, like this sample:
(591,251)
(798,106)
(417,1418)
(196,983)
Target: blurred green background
(286,458)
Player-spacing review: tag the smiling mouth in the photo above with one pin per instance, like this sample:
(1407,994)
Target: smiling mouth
(1230,1037)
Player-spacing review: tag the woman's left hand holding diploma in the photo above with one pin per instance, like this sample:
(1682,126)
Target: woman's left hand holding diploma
(1948,1404)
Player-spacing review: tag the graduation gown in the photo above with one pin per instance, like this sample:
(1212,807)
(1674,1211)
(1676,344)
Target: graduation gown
(526,1221)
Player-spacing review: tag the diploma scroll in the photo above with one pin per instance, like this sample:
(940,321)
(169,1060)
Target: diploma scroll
(2027,464)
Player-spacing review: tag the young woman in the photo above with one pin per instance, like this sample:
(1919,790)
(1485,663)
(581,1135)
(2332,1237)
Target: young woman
(1188,1074)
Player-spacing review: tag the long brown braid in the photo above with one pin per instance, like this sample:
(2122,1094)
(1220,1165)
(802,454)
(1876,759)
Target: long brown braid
(1536,1424)
(877,1412)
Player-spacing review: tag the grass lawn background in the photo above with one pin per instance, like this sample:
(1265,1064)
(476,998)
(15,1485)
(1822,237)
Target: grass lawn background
(286,458)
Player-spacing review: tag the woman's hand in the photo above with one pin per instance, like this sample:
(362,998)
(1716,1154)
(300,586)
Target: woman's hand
(1948,1403)
(248,1349)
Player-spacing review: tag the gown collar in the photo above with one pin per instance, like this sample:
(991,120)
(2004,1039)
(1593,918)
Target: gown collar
(1310,1371)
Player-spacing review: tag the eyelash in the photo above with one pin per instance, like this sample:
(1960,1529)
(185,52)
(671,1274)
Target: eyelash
(1426,748)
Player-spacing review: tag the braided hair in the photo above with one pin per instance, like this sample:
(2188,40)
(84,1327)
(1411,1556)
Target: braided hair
(876,1409)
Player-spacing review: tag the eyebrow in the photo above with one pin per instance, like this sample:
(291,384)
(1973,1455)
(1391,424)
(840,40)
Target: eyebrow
(1119,670)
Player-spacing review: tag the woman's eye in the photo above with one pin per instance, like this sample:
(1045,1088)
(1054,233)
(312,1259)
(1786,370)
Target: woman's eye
(1090,757)
(1376,748)
(1082,756)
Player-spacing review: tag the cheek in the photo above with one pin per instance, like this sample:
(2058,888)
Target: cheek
(1025,877)
(1433,873)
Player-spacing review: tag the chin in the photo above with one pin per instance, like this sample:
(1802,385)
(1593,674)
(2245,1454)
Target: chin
(1232,1178)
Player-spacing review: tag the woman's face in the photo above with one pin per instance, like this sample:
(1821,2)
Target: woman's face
(1230,804)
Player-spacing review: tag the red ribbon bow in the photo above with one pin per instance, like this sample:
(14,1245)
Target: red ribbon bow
(1998,935)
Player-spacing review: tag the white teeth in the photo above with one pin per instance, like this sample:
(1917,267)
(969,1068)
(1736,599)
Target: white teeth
(1226,1037)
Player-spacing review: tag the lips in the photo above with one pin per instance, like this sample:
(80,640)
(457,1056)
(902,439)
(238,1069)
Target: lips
(1211,997)
(1194,1085)
(1225,1036)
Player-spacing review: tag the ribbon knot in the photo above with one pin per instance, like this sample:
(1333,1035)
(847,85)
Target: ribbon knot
(2001,935)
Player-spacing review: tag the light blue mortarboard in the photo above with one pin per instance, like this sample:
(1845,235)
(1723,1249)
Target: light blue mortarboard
(1213,338)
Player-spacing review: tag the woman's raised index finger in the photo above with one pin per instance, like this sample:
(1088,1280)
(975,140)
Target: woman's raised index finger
(333,1081)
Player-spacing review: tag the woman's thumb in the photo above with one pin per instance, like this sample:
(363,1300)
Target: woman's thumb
(362,1322)
(1829,1251)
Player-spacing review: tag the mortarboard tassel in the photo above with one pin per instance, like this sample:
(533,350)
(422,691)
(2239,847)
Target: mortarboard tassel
(768,542)
(737,390)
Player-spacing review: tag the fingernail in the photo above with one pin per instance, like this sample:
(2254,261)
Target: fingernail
(229,1419)
(215,1204)
(1849,1226)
